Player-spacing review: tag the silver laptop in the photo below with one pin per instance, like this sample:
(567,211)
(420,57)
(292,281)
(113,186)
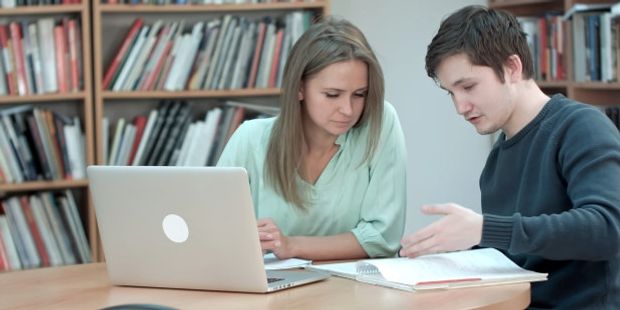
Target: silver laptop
(183,227)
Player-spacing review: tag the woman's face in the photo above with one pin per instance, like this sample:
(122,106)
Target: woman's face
(334,98)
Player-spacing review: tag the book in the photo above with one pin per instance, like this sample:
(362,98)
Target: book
(479,267)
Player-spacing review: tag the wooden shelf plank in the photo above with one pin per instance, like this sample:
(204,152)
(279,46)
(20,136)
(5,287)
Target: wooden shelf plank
(42,9)
(145,8)
(42,98)
(41,185)
(554,84)
(528,7)
(597,85)
(252,92)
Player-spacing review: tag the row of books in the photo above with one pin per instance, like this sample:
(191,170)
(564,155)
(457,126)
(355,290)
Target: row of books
(41,56)
(599,33)
(163,2)
(227,53)
(169,135)
(41,230)
(545,38)
(38,144)
(16,3)
(613,112)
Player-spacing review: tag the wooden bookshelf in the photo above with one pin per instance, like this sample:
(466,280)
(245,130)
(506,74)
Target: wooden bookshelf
(79,102)
(592,92)
(111,23)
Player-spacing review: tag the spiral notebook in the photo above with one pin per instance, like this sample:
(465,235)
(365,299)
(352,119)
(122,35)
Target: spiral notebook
(469,268)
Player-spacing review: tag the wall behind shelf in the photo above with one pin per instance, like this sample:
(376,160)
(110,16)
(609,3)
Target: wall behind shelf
(445,154)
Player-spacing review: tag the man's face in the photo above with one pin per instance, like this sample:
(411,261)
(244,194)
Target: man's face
(477,93)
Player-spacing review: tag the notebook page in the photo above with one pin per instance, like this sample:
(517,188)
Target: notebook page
(483,264)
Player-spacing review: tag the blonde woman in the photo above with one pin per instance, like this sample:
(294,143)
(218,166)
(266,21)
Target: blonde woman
(328,174)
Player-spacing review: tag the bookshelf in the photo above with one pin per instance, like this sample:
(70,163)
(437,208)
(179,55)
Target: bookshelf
(598,93)
(113,22)
(71,102)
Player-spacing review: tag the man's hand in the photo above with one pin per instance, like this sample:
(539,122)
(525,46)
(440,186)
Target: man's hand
(459,228)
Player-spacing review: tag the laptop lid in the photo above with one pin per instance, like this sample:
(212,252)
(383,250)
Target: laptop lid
(181,227)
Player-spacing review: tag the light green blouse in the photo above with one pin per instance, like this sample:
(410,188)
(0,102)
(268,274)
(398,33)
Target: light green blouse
(368,200)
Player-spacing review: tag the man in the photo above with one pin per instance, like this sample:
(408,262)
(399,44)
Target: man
(551,185)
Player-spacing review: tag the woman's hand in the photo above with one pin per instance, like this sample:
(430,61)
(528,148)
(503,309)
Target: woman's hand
(272,239)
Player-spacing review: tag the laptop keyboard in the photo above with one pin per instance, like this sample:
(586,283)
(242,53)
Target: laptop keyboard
(271,280)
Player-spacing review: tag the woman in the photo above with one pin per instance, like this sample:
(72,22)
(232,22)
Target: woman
(328,174)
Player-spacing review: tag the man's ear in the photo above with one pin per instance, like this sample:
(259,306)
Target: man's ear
(513,68)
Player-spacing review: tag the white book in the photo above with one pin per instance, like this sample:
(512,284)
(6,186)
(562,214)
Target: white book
(129,135)
(8,3)
(10,156)
(116,142)
(266,58)
(43,224)
(47,53)
(77,228)
(6,169)
(208,84)
(3,85)
(174,55)
(243,59)
(9,244)
(105,123)
(21,154)
(189,55)
(223,53)
(74,151)
(36,58)
(58,228)
(193,149)
(187,140)
(579,48)
(231,57)
(146,135)
(131,58)
(480,267)
(606,47)
(209,132)
(15,214)
(137,69)
(27,55)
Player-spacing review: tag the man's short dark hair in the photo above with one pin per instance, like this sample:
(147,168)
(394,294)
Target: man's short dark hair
(488,37)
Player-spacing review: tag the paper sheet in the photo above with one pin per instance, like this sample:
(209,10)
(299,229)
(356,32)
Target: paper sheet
(273,263)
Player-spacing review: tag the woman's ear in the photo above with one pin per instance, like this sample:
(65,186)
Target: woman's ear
(513,68)
(300,94)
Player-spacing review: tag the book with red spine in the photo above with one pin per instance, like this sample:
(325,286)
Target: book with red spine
(9,67)
(60,47)
(121,54)
(18,56)
(262,28)
(275,64)
(34,230)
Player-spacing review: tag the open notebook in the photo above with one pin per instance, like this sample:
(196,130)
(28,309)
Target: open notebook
(437,271)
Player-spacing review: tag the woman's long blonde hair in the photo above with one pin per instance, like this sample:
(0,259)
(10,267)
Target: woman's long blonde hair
(324,43)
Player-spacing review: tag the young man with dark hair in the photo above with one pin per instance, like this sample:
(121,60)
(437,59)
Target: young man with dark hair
(551,185)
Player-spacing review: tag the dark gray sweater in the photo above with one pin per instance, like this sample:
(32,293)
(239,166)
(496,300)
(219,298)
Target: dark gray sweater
(551,202)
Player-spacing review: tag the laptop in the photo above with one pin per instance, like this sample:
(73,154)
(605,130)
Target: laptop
(183,227)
